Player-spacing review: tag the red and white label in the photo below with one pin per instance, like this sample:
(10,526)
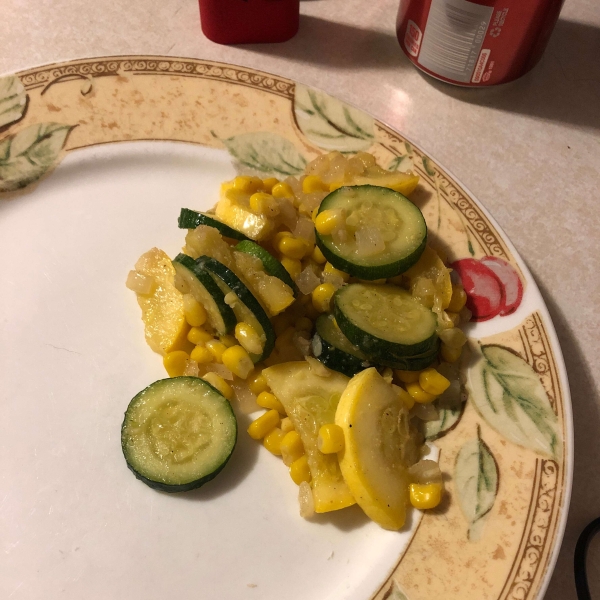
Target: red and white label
(480,66)
(412,38)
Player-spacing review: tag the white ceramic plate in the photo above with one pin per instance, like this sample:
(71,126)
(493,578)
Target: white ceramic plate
(138,138)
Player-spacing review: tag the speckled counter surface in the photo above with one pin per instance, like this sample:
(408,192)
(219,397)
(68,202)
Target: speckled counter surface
(530,150)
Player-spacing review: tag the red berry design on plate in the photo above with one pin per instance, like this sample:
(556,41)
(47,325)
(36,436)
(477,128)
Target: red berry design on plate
(513,287)
(492,285)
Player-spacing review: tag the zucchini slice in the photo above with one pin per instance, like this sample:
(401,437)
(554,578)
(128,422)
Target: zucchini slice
(246,307)
(334,349)
(207,292)
(397,224)
(190,219)
(272,266)
(178,434)
(385,322)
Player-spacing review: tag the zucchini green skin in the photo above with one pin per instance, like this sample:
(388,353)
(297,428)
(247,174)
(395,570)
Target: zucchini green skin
(190,219)
(228,448)
(381,351)
(246,297)
(212,289)
(365,271)
(335,359)
(335,351)
(272,266)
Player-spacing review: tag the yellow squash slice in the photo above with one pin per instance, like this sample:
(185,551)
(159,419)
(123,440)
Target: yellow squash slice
(162,309)
(310,400)
(431,271)
(372,461)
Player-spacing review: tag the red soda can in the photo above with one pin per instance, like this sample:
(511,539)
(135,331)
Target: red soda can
(476,42)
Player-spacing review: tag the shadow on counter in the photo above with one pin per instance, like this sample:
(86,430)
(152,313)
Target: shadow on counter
(337,45)
(564,86)
(585,505)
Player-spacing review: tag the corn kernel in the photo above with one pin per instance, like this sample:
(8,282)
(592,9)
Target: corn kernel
(318,256)
(454,317)
(407,376)
(299,470)
(246,184)
(304,324)
(269,183)
(433,382)
(312,183)
(314,214)
(261,203)
(458,300)
(419,394)
(293,247)
(292,447)
(272,441)
(425,496)
(292,265)
(287,425)
(236,359)
(282,190)
(268,400)
(331,270)
(216,348)
(202,355)
(196,335)
(328,221)
(450,354)
(219,384)
(248,338)
(406,398)
(321,297)
(257,383)
(228,340)
(175,362)
(331,438)
(263,425)
(195,313)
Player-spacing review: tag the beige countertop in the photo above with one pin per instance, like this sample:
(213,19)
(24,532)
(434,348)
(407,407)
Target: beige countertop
(530,150)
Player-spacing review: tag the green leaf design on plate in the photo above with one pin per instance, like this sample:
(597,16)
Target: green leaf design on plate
(28,154)
(509,395)
(330,124)
(447,419)
(402,163)
(476,483)
(266,152)
(395,593)
(12,99)
(428,167)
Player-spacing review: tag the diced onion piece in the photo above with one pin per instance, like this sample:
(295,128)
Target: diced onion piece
(245,397)
(191,369)
(337,281)
(306,501)
(425,412)
(369,241)
(140,284)
(305,229)
(220,369)
(425,472)
(340,235)
(301,342)
(288,214)
(307,281)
